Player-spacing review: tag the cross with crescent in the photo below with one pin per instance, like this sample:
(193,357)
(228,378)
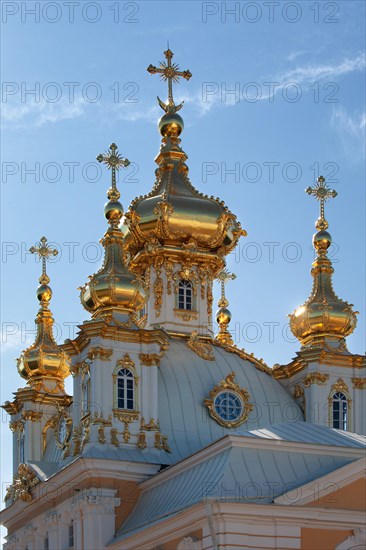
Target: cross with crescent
(169,71)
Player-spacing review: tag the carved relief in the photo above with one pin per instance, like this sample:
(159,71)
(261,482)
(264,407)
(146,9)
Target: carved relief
(315,378)
(23,481)
(202,349)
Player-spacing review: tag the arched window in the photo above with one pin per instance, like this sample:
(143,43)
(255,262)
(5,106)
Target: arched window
(71,534)
(125,389)
(185,294)
(340,411)
(85,394)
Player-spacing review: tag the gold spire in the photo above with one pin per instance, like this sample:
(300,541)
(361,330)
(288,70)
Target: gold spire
(44,360)
(169,72)
(175,216)
(113,289)
(324,316)
(223,315)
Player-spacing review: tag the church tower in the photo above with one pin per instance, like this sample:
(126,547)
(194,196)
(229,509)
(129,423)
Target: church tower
(177,238)
(42,404)
(325,378)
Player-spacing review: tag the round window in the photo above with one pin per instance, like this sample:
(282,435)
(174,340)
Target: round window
(228,406)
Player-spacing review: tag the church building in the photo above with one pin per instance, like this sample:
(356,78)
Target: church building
(175,438)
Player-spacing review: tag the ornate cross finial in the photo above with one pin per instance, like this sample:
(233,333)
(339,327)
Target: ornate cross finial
(224,276)
(43,251)
(114,161)
(321,192)
(169,72)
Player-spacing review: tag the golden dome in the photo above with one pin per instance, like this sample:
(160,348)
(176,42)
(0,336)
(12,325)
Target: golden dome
(113,288)
(174,215)
(324,315)
(44,359)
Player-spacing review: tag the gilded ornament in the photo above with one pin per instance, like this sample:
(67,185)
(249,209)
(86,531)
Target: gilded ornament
(315,378)
(340,386)
(149,359)
(114,438)
(141,440)
(229,384)
(324,315)
(23,481)
(153,425)
(298,391)
(202,349)
(33,416)
(99,352)
(16,426)
(186,315)
(359,383)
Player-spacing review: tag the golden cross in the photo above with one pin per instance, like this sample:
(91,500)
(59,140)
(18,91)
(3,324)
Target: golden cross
(114,161)
(321,192)
(43,251)
(169,72)
(224,276)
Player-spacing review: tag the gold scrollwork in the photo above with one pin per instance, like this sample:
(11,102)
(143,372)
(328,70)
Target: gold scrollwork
(16,426)
(202,349)
(99,352)
(186,315)
(151,426)
(340,386)
(315,378)
(33,416)
(24,479)
(149,359)
(229,384)
(359,383)
(298,391)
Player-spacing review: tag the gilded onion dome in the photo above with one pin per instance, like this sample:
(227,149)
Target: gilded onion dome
(324,315)
(44,360)
(174,214)
(113,289)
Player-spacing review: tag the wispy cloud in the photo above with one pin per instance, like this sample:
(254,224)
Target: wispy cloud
(350,129)
(39,113)
(200,101)
(303,76)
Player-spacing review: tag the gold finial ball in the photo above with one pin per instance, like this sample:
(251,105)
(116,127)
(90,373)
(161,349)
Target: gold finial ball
(113,211)
(44,293)
(223,316)
(322,240)
(171,124)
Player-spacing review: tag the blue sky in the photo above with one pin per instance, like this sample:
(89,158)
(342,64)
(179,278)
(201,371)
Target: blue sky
(275,99)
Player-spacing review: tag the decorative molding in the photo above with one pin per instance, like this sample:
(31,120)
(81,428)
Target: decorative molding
(17,426)
(298,391)
(99,353)
(33,416)
(229,384)
(161,442)
(23,481)
(149,359)
(202,349)
(315,378)
(152,426)
(359,383)
(340,386)
(186,315)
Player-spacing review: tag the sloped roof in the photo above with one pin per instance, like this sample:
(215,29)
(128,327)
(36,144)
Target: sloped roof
(236,469)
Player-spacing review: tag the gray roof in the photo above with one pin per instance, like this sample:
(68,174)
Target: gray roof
(185,380)
(305,432)
(244,474)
